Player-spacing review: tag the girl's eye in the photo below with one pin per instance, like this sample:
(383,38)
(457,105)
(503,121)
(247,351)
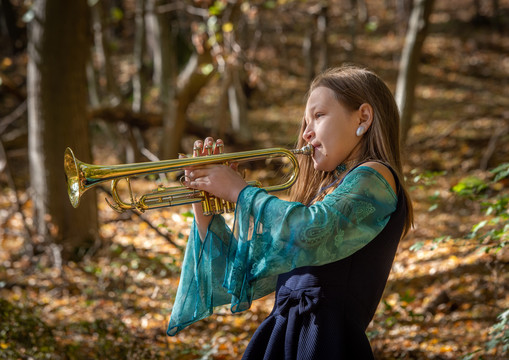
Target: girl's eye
(318,115)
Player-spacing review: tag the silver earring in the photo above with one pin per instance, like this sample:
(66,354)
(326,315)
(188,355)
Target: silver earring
(360,130)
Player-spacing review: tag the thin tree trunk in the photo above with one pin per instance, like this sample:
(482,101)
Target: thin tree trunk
(409,64)
(57,112)
(238,105)
(221,113)
(172,131)
(308,51)
(315,41)
(236,43)
(165,67)
(403,9)
(139,56)
(322,26)
(189,83)
(9,18)
(102,50)
(358,18)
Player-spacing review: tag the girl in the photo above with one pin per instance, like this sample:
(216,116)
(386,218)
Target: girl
(328,252)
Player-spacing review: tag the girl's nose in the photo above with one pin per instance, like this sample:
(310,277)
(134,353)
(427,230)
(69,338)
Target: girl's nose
(308,134)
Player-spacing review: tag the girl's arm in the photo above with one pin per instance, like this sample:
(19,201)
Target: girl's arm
(284,235)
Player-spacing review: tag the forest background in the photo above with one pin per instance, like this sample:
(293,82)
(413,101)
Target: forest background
(132,80)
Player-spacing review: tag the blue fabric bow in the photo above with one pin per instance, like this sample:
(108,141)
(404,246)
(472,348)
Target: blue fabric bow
(306,298)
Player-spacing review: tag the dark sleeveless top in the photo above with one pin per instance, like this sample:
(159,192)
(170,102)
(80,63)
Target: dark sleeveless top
(322,312)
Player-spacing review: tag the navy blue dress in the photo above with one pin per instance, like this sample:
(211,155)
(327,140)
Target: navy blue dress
(322,312)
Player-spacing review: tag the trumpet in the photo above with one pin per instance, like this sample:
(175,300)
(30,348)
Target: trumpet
(81,176)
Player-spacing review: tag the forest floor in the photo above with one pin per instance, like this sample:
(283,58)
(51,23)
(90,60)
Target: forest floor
(445,290)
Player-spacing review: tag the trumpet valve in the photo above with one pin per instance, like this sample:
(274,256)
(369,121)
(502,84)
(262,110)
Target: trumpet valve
(206,204)
(208,149)
(218,206)
(229,207)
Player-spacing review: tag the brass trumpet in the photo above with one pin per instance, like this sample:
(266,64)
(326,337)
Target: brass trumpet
(81,176)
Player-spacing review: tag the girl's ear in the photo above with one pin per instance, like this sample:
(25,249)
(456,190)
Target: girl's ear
(365,116)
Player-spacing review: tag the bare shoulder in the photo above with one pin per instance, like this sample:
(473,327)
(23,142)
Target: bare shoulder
(384,171)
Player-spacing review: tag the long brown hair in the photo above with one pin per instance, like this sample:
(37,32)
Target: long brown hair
(354,86)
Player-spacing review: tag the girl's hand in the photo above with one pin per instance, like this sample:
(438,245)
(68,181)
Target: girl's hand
(201,148)
(219,180)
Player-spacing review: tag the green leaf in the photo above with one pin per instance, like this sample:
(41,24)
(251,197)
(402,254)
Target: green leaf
(501,172)
(188,214)
(371,26)
(269,4)
(28,16)
(117,14)
(440,239)
(469,185)
(207,69)
(478,226)
(217,8)
(407,297)
(417,246)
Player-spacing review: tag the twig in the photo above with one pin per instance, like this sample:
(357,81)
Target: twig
(152,226)
(12,87)
(168,238)
(4,166)
(146,120)
(13,116)
(492,146)
(161,9)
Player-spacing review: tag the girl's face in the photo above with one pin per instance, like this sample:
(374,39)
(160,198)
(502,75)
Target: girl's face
(331,129)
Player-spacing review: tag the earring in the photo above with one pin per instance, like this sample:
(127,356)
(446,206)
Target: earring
(360,130)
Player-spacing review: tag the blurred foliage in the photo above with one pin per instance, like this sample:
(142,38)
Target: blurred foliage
(23,334)
(492,232)
(500,334)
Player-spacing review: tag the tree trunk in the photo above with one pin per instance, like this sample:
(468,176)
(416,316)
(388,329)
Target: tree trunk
(221,114)
(322,27)
(315,48)
(99,13)
(189,83)
(308,51)
(139,51)
(403,8)
(409,64)
(232,97)
(172,131)
(238,105)
(8,18)
(57,113)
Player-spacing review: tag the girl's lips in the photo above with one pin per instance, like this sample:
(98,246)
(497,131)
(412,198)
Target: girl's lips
(316,148)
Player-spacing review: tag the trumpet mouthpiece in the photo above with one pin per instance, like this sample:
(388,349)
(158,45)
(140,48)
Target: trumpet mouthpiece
(306,150)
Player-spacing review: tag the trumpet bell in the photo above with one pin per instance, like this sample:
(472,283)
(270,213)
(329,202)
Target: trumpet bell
(72,177)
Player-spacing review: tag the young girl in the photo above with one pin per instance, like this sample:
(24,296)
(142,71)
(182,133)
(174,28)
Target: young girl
(328,252)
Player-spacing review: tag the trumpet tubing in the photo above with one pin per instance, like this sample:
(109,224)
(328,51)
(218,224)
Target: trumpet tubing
(81,176)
